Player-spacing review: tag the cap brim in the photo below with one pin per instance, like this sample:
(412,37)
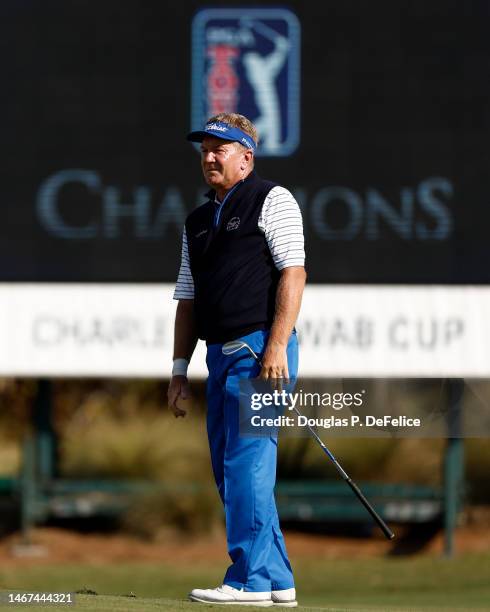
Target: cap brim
(200,135)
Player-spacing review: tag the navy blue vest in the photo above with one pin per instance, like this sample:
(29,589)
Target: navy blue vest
(235,279)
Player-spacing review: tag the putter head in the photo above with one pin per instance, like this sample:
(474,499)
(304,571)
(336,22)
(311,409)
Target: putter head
(233,346)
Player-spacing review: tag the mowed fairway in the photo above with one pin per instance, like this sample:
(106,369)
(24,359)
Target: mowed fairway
(418,583)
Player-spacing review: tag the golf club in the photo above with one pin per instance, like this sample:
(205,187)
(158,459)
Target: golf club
(237,345)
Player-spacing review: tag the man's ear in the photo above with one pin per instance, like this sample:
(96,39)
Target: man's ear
(248,156)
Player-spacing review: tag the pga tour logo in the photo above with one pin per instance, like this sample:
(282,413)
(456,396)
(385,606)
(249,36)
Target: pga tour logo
(247,60)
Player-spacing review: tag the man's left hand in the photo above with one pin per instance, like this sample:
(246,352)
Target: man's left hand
(275,363)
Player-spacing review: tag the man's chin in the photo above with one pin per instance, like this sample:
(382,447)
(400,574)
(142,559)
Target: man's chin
(213,180)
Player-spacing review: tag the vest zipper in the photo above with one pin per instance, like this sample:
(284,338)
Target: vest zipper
(217,214)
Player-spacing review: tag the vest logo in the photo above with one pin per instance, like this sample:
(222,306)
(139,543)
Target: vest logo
(233,224)
(247,61)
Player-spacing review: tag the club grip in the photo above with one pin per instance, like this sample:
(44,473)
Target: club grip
(382,525)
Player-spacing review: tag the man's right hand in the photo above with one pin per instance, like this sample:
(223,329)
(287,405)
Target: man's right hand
(178,389)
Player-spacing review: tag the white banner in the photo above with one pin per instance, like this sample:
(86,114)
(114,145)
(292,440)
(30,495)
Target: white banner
(127,331)
(395,331)
(89,330)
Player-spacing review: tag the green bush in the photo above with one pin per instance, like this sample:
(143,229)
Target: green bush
(120,429)
(107,438)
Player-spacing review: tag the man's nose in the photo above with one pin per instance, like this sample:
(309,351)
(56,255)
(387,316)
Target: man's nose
(208,157)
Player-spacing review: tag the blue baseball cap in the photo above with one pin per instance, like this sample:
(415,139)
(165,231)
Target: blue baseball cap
(222,130)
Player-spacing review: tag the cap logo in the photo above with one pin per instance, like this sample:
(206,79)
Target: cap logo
(216,127)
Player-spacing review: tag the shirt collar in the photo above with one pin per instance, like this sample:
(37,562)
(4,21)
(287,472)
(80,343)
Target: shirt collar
(212,195)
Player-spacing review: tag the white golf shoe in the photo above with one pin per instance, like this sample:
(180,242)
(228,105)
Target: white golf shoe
(285,598)
(229,596)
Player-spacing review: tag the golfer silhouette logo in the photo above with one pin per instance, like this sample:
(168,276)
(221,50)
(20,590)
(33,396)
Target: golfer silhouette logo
(247,61)
(262,72)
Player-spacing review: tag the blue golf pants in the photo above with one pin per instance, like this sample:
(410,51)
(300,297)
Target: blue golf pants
(245,472)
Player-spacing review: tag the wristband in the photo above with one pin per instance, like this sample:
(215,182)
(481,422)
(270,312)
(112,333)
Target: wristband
(180,367)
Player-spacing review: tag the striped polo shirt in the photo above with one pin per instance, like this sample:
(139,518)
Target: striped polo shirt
(280,221)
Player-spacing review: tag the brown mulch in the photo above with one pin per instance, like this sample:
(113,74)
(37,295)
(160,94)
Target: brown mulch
(56,545)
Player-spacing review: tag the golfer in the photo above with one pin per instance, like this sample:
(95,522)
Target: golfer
(241,277)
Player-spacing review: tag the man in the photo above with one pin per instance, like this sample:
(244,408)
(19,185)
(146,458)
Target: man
(242,276)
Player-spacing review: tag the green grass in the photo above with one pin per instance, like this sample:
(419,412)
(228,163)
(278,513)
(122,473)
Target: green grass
(397,584)
(105,603)
(120,604)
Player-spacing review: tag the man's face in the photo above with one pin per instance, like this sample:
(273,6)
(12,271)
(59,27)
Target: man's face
(223,163)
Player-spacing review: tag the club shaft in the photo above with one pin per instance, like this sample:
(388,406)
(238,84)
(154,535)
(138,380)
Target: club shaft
(325,449)
(383,526)
(357,491)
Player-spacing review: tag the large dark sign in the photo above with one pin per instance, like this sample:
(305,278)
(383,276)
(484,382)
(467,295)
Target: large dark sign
(381,130)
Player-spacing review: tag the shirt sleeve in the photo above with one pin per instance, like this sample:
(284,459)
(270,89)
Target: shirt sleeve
(282,224)
(184,289)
